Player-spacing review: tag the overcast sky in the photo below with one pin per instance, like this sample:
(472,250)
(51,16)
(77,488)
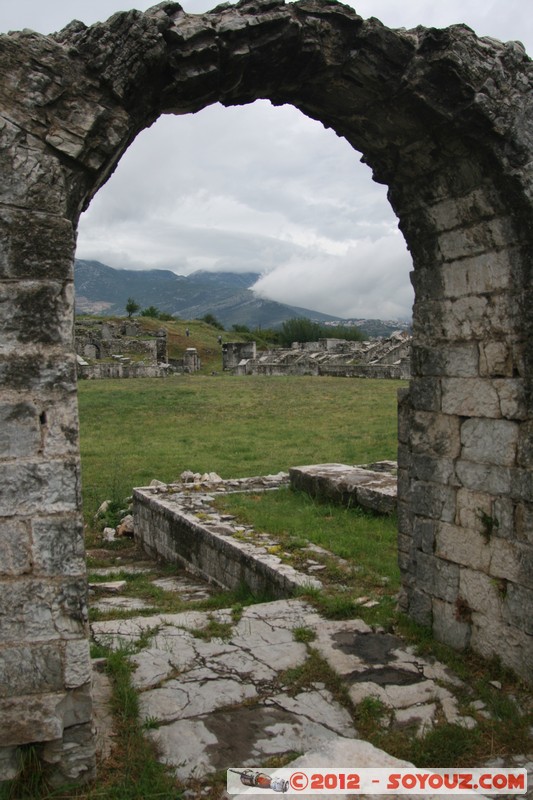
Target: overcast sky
(258,188)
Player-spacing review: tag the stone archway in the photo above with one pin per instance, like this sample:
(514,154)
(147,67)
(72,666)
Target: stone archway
(444,119)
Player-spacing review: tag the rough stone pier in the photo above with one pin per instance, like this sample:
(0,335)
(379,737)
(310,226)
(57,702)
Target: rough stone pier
(444,119)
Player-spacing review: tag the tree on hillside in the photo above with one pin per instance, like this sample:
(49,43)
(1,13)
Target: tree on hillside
(299,329)
(210,319)
(151,312)
(302,329)
(131,307)
(154,313)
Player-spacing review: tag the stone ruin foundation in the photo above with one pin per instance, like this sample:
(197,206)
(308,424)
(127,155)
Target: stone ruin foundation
(444,119)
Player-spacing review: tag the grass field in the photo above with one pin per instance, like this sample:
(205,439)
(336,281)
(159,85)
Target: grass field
(135,430)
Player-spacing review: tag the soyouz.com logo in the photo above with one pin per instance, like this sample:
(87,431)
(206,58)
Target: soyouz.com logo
(324,781)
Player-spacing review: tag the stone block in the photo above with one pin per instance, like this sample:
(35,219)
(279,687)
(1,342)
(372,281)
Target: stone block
(404,458)
(77,663)
(435,434)
(481,593)
(477,317)
(404,415)
(427,282)
(489,441)
(470,397)
(26,669)
(426,394)
(38,371)
(433,500)
(419,606)
(60,429)
(432,468)
(15,547)
(33,177)
(455,360)
(9,763)
(481,237)
(436,577)
(522,485)
(451,213)
(72,757)
(495,360)
(31,718)
(42,611)
(46,253)
(462,546)
(405,543)
(471,506)
(523,520)
(477,275)
(512,561)
(404,483)
(57,545)
(447,627)
(40,487)
(76,706)
(514,647)
(405,562)
(517,605)
(503,515)
(405,518)
(20,431)
(424,534)
(484,477)
(525,446)
(512,398)
(36,313)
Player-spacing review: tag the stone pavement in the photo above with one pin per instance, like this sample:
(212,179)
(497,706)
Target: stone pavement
(215,691)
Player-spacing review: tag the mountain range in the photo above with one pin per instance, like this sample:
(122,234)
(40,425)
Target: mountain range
(103,290)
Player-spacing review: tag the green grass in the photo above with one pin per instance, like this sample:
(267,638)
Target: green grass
(367,540)
(139,429)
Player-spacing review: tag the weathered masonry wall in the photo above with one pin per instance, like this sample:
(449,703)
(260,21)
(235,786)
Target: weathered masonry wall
(445,120)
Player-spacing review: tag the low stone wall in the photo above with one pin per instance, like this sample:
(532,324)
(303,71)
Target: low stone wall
(385,371)
(375,490)
(119,370)
(171,523)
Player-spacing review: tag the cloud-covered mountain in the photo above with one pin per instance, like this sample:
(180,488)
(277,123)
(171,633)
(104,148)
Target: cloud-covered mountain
(103,290)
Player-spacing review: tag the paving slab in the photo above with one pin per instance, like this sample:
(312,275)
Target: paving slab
(177,699)
(317,706)
(118,603)
(244,736)
(217,702)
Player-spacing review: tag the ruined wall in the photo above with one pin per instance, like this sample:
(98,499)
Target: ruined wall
(445,120)
(383,359)
(96,340)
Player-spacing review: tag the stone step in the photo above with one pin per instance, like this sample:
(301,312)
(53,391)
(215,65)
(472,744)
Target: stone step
(348,485)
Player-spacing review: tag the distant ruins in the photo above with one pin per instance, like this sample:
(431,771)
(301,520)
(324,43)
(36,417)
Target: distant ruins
(124,349)
(445,120)
(379,358)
